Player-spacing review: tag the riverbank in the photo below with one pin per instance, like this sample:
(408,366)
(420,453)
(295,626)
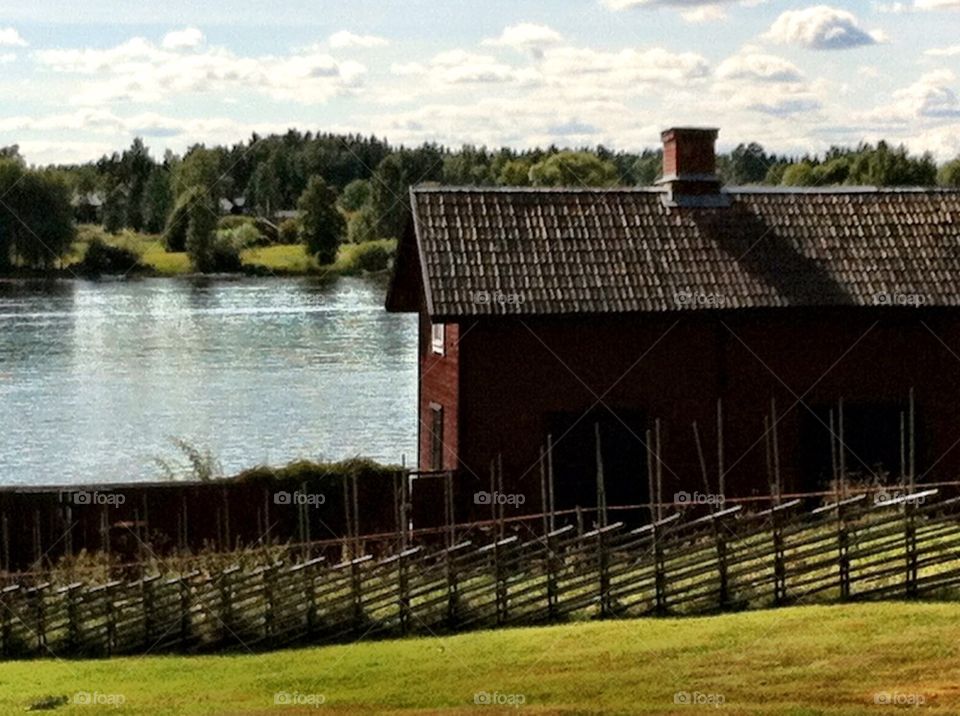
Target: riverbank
(149,257)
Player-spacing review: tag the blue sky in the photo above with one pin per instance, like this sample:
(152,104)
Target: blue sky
(77,80)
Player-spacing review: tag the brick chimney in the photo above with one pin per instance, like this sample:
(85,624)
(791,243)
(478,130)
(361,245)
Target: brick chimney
(690,168)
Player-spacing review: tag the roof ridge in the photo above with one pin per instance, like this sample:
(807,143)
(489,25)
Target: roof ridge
(750,189)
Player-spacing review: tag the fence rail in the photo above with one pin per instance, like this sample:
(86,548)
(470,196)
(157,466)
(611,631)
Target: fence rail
(731,559)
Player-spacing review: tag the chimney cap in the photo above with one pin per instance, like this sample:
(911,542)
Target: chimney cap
(705,132)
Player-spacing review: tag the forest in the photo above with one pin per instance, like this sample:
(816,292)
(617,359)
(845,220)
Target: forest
(323,191)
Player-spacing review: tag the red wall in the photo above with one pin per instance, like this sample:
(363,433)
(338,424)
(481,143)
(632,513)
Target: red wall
(513,372)
(439,383)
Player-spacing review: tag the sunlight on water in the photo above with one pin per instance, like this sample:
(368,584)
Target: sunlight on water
(96,377)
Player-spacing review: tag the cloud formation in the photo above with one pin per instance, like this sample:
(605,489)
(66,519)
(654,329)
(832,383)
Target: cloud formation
(9,37)
(821,28)
(184,39)
(526,36)
(344,39)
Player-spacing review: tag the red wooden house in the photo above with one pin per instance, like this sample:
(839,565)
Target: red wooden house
(554,311)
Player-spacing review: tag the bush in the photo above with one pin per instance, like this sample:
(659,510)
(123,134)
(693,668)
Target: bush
(289,231)
(103,258)
(240,237)
(369,256)
(175,233)
(232,221)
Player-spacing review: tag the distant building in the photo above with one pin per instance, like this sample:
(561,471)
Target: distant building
(564,312)
(87,207)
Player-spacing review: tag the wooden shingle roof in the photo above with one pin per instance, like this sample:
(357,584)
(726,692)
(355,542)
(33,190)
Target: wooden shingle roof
(528,251)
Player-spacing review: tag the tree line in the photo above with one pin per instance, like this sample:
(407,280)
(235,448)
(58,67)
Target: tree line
(324,189)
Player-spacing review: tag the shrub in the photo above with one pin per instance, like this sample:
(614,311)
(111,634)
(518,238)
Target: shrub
(240,237)
(369,256)
(103,258)
(289,231)
(232,221)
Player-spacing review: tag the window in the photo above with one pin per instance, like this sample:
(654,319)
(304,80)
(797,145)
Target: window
(436,436)
(437,337)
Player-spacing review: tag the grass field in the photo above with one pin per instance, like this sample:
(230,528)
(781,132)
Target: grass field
(802,661)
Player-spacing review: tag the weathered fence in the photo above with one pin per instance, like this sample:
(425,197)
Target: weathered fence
(851,549)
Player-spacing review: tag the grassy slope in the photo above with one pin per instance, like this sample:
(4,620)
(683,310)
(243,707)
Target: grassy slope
(800,661)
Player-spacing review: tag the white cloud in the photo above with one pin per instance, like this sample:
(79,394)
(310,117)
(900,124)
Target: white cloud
(703,14)
(931,96)
(821,28)
(7,57)
(139,71)
(344,38)
(624,69)
(759,67)
(630,4)
(937,4)
(9,37)
(526,36)
(951,51)
(185,39)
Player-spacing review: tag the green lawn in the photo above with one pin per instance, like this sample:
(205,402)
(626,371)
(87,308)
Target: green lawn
(799,661)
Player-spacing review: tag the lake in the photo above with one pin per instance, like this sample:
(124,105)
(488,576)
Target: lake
(97,377)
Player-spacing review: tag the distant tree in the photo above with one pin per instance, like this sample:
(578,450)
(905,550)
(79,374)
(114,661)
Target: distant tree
(392,181)
(200,168)
(322,225)
(201,225)
(11,151)
(175,233)
(115,209)
(136,167)
(36,217)
(647,167)
(362,227)
(515,172)
(886,166)
(468,167)
(949,174)
(747,164)
(574,169)
(263,192)
(157,200)
(801,174)
(355,195)
(289,231)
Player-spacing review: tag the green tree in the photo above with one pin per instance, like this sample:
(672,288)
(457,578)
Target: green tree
(355,195)
(36,217)
(573,169)
(515,172)
(201,225)
(157,200)
(11,172)
(949,174)
(200,168)
(747,164)
(263,191)
(175,233)
(392,181)
(322,225)
(362,227)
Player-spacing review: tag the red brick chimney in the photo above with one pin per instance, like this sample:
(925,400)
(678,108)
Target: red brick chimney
(690,168)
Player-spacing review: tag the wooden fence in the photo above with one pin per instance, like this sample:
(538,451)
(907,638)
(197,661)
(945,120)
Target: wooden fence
(732,559)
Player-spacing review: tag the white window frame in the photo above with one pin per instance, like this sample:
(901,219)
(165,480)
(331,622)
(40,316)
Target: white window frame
(438,337)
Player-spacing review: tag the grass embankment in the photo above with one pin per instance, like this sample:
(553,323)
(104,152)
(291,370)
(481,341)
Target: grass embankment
(800,661)
(280,259)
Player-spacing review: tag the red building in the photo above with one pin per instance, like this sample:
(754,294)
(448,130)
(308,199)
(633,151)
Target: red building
(563,311)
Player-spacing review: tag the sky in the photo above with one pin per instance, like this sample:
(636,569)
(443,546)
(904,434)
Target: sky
(78,80)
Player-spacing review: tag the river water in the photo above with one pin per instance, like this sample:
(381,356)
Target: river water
(96,379)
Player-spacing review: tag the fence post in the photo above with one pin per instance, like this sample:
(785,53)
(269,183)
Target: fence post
(843,544)
(604,569)
(910,532)
(184,589)
(403,588)
(40,615)
(453,592)
(660,576)
(311,597)
(269,573)
(146,589)
(501,583)
(552,564)
(226,604)
(355,585)
(6,631)
(111,618)
(721,542)
(779,562)
(73,620)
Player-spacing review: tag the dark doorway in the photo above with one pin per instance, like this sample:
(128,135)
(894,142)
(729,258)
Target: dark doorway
(575,463)
(871,434)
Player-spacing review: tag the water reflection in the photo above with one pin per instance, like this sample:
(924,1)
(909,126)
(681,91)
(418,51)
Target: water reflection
(95,377)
